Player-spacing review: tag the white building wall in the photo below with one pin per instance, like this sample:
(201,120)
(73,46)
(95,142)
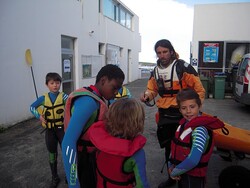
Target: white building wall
(220,22)
(38,25)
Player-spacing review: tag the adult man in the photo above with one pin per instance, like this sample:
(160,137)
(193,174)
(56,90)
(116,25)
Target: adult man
(169,76)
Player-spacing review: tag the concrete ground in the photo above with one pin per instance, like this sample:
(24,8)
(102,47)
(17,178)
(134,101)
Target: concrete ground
(24,158)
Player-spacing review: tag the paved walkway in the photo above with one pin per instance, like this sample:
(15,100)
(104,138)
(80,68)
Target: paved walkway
(24,158)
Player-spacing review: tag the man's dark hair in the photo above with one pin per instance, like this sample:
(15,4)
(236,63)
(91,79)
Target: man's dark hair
(111,72)
(53,76)
(187,94)
(164,43)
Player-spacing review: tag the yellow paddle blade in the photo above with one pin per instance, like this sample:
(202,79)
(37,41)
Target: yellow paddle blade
(28,57)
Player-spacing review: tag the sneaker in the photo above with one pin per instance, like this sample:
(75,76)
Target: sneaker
(54,182)
(167,183)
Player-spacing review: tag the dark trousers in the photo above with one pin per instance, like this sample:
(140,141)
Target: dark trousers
(188,181)
(167,125)
(53,136)
(86,167)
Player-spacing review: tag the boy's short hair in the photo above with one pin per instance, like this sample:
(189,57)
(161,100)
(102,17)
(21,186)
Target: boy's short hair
(53,76)
(111,71)
(187,94)
(125,118)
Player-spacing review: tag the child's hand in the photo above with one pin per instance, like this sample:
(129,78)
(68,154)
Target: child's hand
(43,120)
(170,169)
(177,178)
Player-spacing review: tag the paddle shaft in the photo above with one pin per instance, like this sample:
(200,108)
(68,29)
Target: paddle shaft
(33,81)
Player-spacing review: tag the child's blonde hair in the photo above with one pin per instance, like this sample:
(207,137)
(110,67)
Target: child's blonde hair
(125,118)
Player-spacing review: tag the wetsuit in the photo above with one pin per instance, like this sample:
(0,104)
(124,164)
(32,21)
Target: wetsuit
(54,132)
(84,107)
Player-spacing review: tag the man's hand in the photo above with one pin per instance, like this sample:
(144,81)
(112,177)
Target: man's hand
(144,97)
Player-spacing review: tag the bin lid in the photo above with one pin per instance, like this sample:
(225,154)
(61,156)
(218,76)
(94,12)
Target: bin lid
(219,74)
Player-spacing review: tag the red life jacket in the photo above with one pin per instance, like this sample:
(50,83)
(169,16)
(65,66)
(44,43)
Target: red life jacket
(96,116)
(111,156)
(181,144)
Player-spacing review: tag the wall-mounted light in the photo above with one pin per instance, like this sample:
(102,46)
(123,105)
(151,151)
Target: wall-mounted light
(91,33)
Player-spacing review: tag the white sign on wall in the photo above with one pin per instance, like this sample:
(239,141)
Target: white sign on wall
(66,65)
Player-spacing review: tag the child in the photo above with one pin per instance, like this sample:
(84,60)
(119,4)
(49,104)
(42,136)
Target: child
(120,158)
(52,118)
(83,108)
(122,93)
(193,144)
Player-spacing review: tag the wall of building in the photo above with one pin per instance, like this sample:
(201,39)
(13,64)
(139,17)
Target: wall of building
(220,22)
(38,25)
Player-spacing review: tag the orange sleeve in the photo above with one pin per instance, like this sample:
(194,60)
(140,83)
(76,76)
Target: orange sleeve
(194,82)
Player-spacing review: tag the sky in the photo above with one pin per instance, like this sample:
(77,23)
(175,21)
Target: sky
(166,19)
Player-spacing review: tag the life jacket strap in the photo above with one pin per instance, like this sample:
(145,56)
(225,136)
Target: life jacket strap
(183,144)
(52,107)
(85,143)
(106,179)
(160,83)
(55,120)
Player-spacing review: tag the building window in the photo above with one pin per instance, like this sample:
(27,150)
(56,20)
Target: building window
(101,48)
(128,20)
(122,17)
(115,11)
(109,9)
(90,66)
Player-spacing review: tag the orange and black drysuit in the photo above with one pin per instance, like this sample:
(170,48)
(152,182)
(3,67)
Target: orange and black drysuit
(167,82)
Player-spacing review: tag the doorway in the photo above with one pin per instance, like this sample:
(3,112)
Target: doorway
(67,51)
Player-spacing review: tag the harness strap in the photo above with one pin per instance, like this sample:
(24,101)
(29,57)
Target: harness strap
(160,82)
